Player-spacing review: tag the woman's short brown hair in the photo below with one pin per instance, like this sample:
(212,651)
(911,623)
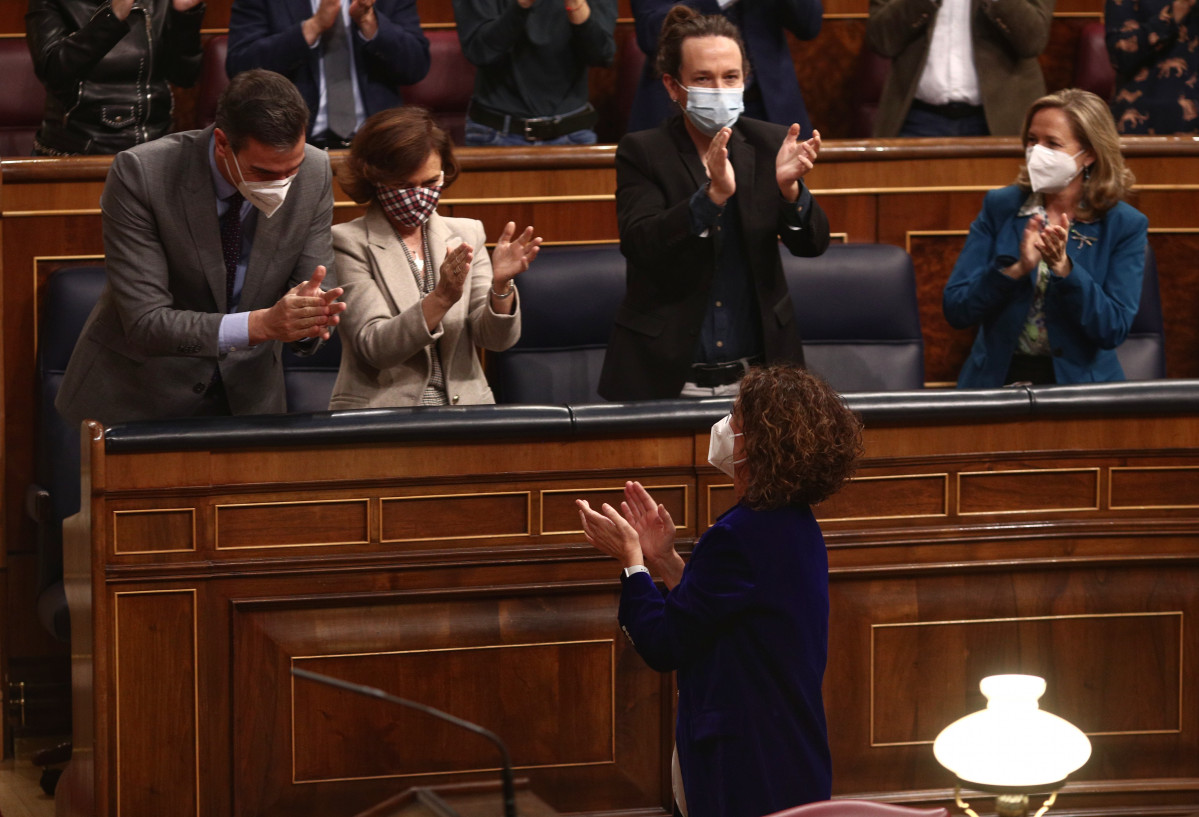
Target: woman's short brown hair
(390,147)
(682,23)
(801,440)
(1108,180)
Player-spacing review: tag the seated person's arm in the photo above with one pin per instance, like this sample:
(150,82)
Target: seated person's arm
(398,53)
(254,42)
(490,29)
(63,56)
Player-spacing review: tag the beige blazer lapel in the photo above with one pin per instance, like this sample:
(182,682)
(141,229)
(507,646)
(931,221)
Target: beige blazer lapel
(388,259)
(455,319)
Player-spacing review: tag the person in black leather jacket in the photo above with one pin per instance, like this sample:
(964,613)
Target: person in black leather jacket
(107,67)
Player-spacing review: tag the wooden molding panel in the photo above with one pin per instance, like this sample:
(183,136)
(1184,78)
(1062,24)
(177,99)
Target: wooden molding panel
(1066,546)
(154,531)
(155,700)
(292,524)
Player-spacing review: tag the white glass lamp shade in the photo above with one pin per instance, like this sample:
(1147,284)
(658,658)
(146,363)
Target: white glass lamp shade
(1012,745)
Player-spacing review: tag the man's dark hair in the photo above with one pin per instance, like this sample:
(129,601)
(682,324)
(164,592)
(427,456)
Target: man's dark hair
(264,106)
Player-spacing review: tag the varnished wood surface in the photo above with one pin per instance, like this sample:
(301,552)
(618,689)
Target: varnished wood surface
(1065,546)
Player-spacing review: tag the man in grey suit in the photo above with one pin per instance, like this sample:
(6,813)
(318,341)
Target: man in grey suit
(216,244)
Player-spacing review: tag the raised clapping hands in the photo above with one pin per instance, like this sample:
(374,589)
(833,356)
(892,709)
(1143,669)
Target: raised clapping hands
(452,279)
(794,160)
(641,533)
(362,12)
(1043,241)
(722,184)
(512,257)
(321,20)
(304,312)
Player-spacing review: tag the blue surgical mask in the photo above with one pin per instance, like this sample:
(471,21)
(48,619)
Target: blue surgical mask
(711,109)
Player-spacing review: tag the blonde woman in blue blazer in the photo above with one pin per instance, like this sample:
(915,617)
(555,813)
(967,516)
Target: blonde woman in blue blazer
(1051,271)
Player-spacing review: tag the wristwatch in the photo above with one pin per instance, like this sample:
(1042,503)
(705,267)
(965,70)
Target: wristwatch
(632,571)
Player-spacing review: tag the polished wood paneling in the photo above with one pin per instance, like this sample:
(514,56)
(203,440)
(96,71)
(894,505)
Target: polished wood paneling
(158,530)
(155,702)
(570,716)
(283,524)
(961,549)
(456,516)
(1028,491)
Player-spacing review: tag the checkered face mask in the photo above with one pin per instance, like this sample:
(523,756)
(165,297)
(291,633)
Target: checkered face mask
(410,206)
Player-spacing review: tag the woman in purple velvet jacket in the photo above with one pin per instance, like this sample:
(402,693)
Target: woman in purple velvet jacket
(745,621)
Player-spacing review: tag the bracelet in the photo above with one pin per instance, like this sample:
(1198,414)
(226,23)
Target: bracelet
(507,293)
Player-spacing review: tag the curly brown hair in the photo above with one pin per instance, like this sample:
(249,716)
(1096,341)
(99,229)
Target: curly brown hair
(389,147)
(801,440)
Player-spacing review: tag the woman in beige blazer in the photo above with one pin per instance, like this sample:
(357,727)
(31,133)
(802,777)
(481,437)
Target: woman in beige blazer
(420,291)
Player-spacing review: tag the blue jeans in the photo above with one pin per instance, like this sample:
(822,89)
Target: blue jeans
(482,136)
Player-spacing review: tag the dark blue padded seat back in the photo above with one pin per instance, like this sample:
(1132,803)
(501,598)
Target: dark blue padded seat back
(309,380)
(70,294)
(858,316)
(1143,353)
(68,298)
(568,301)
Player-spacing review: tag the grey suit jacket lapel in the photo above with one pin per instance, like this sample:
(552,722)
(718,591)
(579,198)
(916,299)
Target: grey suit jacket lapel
(199,206)
(263,257)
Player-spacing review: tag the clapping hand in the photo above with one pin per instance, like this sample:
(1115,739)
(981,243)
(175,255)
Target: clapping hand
(512,257)
(609,532)
(454,269)
(722,184)
(794,160)
(1051,244)
(305,311)
(185,5)
(362,12)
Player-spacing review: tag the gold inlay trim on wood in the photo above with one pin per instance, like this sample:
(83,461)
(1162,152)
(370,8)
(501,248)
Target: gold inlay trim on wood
(528,495)
(943,476)
(216,525)
(116,539)
(712,487)
(1118,469)
(970,475)
(586,197)
(684,525)
(1179,614)
(116,683)
(611,643)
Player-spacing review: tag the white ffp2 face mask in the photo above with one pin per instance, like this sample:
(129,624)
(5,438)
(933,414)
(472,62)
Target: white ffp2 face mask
(268,197)
(711,109)
(1049,170)
(720,446)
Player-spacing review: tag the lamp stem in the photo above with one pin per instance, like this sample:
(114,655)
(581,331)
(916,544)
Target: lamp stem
(1045,806)
(1011,805)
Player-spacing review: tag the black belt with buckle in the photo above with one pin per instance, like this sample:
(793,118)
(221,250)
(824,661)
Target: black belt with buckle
(950,110)
(712,375)
(329,141)
(538,128)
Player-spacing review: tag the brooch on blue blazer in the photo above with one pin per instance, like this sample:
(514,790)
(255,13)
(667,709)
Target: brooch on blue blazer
(1083,240)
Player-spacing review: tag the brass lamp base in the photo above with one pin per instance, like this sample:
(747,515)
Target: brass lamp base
(1006,805)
